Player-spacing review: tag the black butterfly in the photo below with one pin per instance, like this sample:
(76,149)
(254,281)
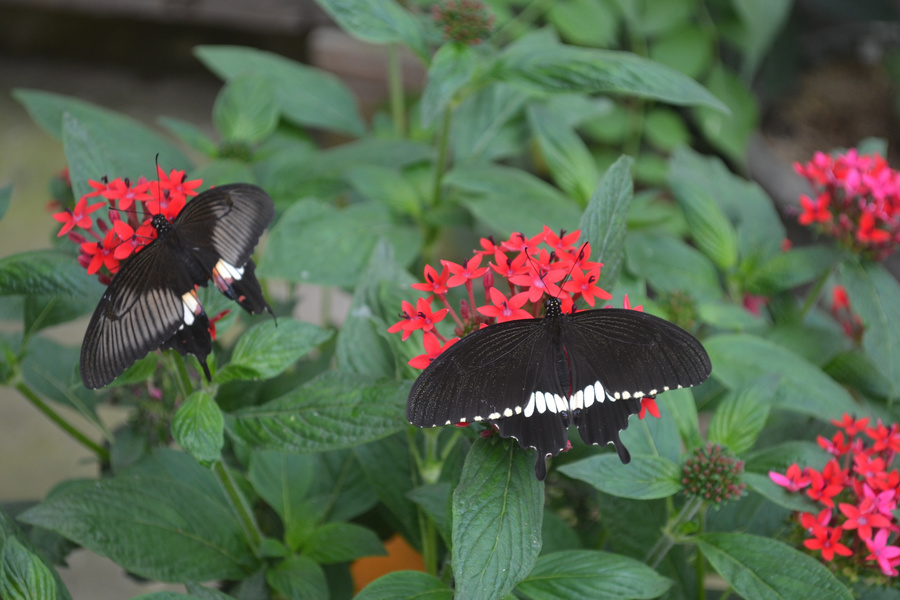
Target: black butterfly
(532,378)
(152,303)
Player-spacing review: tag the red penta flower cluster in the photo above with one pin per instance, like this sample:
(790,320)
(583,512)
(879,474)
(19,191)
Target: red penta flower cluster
(858,491)
(528,274)
(463,21)
(104,244)
(713,473)
(857,201)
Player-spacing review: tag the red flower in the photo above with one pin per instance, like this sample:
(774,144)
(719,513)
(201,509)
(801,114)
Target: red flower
(808,521)
(424,318)
(794,480)
(131,240)
(125,194)
(648,404)
(464,273)
(433,348)
(102,254)
(815,211)
(586,285)
(519,243)
(404,324)
(884,554)
(836,445)
(434,283)
(828,540)
(850,425)
(862,521)
(77,217)
(503,309)
(539,283)
(563,242)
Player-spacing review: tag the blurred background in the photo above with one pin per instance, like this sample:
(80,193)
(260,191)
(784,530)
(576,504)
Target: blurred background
(828,79)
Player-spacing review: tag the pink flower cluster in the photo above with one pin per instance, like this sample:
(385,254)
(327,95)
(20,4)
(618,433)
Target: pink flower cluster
(857,201)
(529,274)
(858,491)
(127,229)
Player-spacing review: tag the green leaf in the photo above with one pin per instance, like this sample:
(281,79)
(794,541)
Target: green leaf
(49,369)
(166,518)
(592,574)
(585,22)
(729,132)
(764,568)
(335,410)
(5,197)
(481,128)
(304,95)
(284,481)
(44,273)
(336,244)
(796,267)
(205,593)
(9,531)
(680,405)
(451,68)
(190,135)
(119,141)
(511,200)
(45,311)
(670,265)
(727,316)
(341,542)
(739,358)
(403,585)
(267,349)
(710,228)
(763,485)
(747,206)
(857,370)
(875,296)
(688,49)
(644,478)
(604,222)
(379,22)
(570,162)
(665,129)
(198,426)
(23,575)
(298,578)
(762,20)
(497,511)
(781,456)
(434,499)
(556,68)
(245,109)
(742,414)
(654,437)
(387,187)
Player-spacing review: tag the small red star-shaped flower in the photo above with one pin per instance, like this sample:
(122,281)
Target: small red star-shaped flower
(102,254)
(828,541)
(586,285)
(433,349)
(504,309)
(434,283)
(79,217)
(462,274)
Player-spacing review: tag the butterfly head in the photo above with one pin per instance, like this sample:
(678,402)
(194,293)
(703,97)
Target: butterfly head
(552,307)
(160,224)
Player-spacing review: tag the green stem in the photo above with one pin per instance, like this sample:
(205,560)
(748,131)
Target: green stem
(700,565)
(814,293)
(101,452)
(668,537)
(429,547)
(182,379)
(441,164)
(239,505)
(395,83)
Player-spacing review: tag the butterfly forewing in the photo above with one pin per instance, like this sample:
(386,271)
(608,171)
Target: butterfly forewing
(484,375)
(140,310)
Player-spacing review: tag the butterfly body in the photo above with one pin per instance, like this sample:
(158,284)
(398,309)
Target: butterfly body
(152,303)
(533,378)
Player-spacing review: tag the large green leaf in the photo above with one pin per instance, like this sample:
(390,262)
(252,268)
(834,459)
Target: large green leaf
(762,20)
(305,95)
(403,585)
(669,264)
(497,511)
(740,358)
(710,229)
(284,481)
(120,142)
(793,268)
(336,244)
(335,410)
(553,67)
(379,22)
(591,574)
(341,542)
(198,426)
(246,109)
(23,575)
(166,518)
(644,478)
(481,129)
(511,200)
(604,222)
(763,568)
(269,348)
(567,156)
(298,578)
(875,296)
(742,414)
(730,130)
(451,68)
(10,531)
(45,273)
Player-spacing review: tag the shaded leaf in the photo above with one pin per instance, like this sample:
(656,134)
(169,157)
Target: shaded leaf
(198,426)
(298,578)
(246,109)
(379,22)
(402,585)
(741,415)
(644,478)
(570,162)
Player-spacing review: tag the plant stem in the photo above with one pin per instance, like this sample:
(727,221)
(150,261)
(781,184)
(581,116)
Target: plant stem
(239,505)
(668,537)
(101,452)
(395,83)
(182,379)
(441,164)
